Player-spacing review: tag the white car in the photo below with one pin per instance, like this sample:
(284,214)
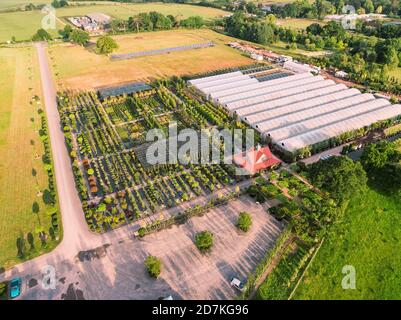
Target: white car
(236,283)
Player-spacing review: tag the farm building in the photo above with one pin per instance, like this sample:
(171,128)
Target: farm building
(295,111)
(256,159)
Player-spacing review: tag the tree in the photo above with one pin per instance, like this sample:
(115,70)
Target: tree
(271,19)
(244,221)
(153,266)
(369,7)
(65,33)
(339,176)
(41,35)
(106,45)
(79,37)
(376,155)
(204,240)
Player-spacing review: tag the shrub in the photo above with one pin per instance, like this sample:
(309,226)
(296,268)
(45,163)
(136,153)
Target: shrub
(244,221)
(141,232)
(204,240)
(3,288)
(153,266)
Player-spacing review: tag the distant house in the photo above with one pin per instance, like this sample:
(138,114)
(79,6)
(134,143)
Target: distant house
(257,57)
(256,159)
(91,22)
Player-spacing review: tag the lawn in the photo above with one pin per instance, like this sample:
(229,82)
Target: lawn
(87,70)
(369,239)
(297,23)
(22,173)
(23,25)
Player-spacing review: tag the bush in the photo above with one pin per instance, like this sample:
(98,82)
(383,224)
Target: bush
(204,240)
(153,266)
(244,221)
(3,288)
(141,232)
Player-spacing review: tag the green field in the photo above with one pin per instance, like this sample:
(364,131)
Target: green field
(23,25)
(11,4)
(297,23)
(369,239)
(22,174)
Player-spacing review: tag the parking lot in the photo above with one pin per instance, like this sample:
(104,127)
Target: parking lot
(117,271)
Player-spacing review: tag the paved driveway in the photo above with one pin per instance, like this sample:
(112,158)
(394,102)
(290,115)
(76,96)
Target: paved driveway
(187,274)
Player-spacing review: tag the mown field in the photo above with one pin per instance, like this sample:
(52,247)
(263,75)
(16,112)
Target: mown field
(297,23)
(77,67)
(22,174)
(23,25)
(11,4)
(369,239)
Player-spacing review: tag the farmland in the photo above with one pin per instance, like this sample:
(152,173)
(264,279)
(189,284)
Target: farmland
(22,25)
(106,143)
(365,239)
(23,179)
(90,70)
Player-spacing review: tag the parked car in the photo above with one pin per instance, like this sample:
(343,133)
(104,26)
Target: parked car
(236,283)
(15,288)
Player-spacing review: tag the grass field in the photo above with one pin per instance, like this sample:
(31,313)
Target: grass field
(23,25)
(76,67)
(369,239)
(280,48)
(8,4)
(22,173)
(297,23)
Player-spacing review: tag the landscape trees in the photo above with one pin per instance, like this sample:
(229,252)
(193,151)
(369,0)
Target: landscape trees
(204,240)
(106,45)
(41,35)
(339,176)
(79,37)
(382,162)
(153,266)
(244,221)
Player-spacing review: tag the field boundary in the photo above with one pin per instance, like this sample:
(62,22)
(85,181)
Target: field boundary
(305,270)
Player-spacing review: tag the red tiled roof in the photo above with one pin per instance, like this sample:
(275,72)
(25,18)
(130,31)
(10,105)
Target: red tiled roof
(256,159)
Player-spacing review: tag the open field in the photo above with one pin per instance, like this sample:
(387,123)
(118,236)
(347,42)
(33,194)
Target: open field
(297,23)
(77,67)
(23,25)
(22,173)
(8,4)
(367,239)
(125,10)
(280,48)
